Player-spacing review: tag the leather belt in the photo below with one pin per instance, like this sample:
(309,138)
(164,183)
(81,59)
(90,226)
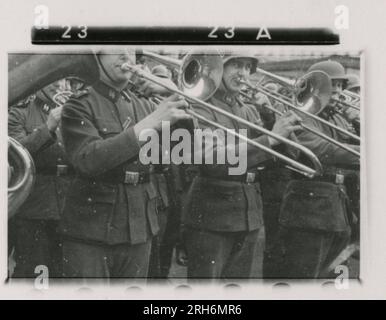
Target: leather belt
(337,178)
(59,170)
(128,177)
(249,177)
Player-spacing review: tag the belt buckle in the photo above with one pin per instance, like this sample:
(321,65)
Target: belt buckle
(250,177)
(131,177)
(339,178)
(61,169)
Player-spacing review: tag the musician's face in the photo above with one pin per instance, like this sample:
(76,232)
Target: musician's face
(112,63)
(234,70)
(53,88)
(337,86)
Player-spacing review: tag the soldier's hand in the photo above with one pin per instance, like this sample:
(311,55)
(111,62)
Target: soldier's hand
(149,88)
(54,118)
(351,114)
(261,102)
(285,125)
(171,109)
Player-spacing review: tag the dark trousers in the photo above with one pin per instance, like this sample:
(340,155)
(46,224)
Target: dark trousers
(37,243)
(308,253)
(226,255)
(273,251)
(164,243)
(155,270)
(85,260)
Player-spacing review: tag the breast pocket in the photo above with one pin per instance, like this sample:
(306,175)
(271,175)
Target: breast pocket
(107,128)
(91,201)
(314,208)
(213,202)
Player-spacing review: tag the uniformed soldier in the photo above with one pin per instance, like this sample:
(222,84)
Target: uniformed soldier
(37,242)
(314,216)
(352,183)
(224,212)
(110,213)
(352,115)
(273,180)
(353,83)
(164,180)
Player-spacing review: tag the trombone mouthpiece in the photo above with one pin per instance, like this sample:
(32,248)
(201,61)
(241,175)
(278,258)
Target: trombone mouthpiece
(125,67)
(240,80)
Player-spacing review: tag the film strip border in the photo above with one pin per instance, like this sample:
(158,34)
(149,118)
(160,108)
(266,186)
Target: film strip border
(83,34)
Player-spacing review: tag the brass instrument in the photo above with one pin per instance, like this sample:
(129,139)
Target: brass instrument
(61,97)
(200,76)
(312,92)
(347,99)
(21,175)
(356,97)
(29,73)
(312,95)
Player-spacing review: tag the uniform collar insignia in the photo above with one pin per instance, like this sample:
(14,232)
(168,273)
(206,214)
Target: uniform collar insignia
(46,107)
(107,91)
(229,99)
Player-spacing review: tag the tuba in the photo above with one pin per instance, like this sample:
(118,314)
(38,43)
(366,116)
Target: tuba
(28,73)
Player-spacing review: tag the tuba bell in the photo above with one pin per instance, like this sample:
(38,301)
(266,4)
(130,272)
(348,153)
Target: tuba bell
(28,73)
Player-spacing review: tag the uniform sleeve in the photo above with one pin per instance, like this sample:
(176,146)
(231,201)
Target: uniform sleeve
(39,139)
(88,152)
(327,152)
(254,155)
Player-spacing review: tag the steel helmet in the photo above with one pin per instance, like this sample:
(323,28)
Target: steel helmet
(228,57)
(333,68)
(353,82)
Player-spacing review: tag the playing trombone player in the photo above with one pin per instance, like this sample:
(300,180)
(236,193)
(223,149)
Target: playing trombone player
(315,218)
(223,220)
(110,216)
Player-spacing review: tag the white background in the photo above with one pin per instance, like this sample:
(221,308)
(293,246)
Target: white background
(366,33)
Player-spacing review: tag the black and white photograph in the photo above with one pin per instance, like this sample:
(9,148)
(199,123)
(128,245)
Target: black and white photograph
(182,165)
(192,155)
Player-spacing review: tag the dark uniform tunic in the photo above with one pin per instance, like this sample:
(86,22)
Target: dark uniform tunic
(112,201)
(224,213)
(314,215)
(37,240)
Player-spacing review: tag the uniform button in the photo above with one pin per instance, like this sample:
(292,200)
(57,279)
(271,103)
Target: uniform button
(104,129)
(89,199)
(311,194)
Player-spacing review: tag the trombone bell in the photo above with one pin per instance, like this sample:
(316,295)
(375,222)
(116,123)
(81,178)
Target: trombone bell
(199,75)
(313,91)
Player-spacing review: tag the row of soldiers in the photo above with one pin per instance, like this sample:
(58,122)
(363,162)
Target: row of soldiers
(96,211)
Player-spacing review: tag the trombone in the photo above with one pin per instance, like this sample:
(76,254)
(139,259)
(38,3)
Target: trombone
(199,77)
(356,97)
(350,100)
(312,82)
(313,92)
(61,97)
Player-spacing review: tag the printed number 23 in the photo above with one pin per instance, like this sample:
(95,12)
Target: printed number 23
(82,34)
(229,34)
